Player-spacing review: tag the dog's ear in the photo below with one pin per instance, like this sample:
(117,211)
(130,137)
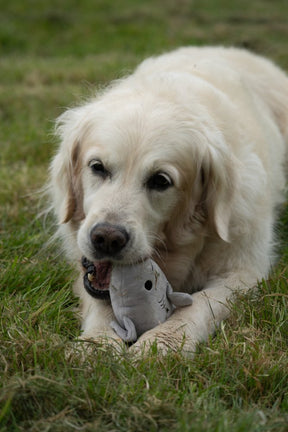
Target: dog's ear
(66,189)
(208,199)
(218,173)
(65,179)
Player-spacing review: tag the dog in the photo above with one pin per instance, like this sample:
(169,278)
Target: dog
(182,161)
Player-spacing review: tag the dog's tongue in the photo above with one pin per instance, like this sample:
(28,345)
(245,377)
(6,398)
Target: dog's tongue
(103,275)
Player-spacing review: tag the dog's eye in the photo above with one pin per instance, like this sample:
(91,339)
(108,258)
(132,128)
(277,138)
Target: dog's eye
(98,168)
(159,182)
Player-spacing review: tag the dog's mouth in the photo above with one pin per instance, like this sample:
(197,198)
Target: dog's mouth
(97,278)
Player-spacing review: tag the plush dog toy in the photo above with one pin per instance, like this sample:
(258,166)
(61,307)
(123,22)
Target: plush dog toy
(141,298)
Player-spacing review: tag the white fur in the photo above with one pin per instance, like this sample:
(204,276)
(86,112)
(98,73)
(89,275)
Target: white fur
(216,121)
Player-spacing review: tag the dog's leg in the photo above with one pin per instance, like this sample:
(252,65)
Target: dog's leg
(96,331)
(96,318)
(193,324)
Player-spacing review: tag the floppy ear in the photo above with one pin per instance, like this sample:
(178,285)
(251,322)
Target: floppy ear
(65,186)
(218,174)
(208,200)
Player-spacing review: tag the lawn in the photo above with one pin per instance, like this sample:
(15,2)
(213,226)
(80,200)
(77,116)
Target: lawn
(52,55)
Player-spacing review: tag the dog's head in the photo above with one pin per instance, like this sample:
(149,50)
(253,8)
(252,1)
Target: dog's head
(132,179)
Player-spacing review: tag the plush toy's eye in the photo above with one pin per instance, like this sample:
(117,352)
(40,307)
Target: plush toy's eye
(148,285)
(98,168)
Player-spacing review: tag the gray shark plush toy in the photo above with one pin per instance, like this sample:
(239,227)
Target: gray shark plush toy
(141,298)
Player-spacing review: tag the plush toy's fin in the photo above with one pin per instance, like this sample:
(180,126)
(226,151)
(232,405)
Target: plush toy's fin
(179,299)
(127,334)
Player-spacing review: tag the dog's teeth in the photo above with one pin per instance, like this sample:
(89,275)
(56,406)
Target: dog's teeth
(90,277)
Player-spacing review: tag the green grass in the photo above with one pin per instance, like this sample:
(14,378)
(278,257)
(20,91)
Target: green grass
(52,54)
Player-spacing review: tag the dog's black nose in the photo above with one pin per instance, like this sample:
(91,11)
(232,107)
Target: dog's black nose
(108,239)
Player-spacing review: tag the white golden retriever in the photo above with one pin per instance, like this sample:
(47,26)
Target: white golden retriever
(182,161)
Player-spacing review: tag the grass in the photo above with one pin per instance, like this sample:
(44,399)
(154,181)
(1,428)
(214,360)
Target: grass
(53,54)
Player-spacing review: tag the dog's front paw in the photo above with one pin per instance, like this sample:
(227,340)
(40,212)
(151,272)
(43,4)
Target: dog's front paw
(155,342)
(164,340)
(84,349)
